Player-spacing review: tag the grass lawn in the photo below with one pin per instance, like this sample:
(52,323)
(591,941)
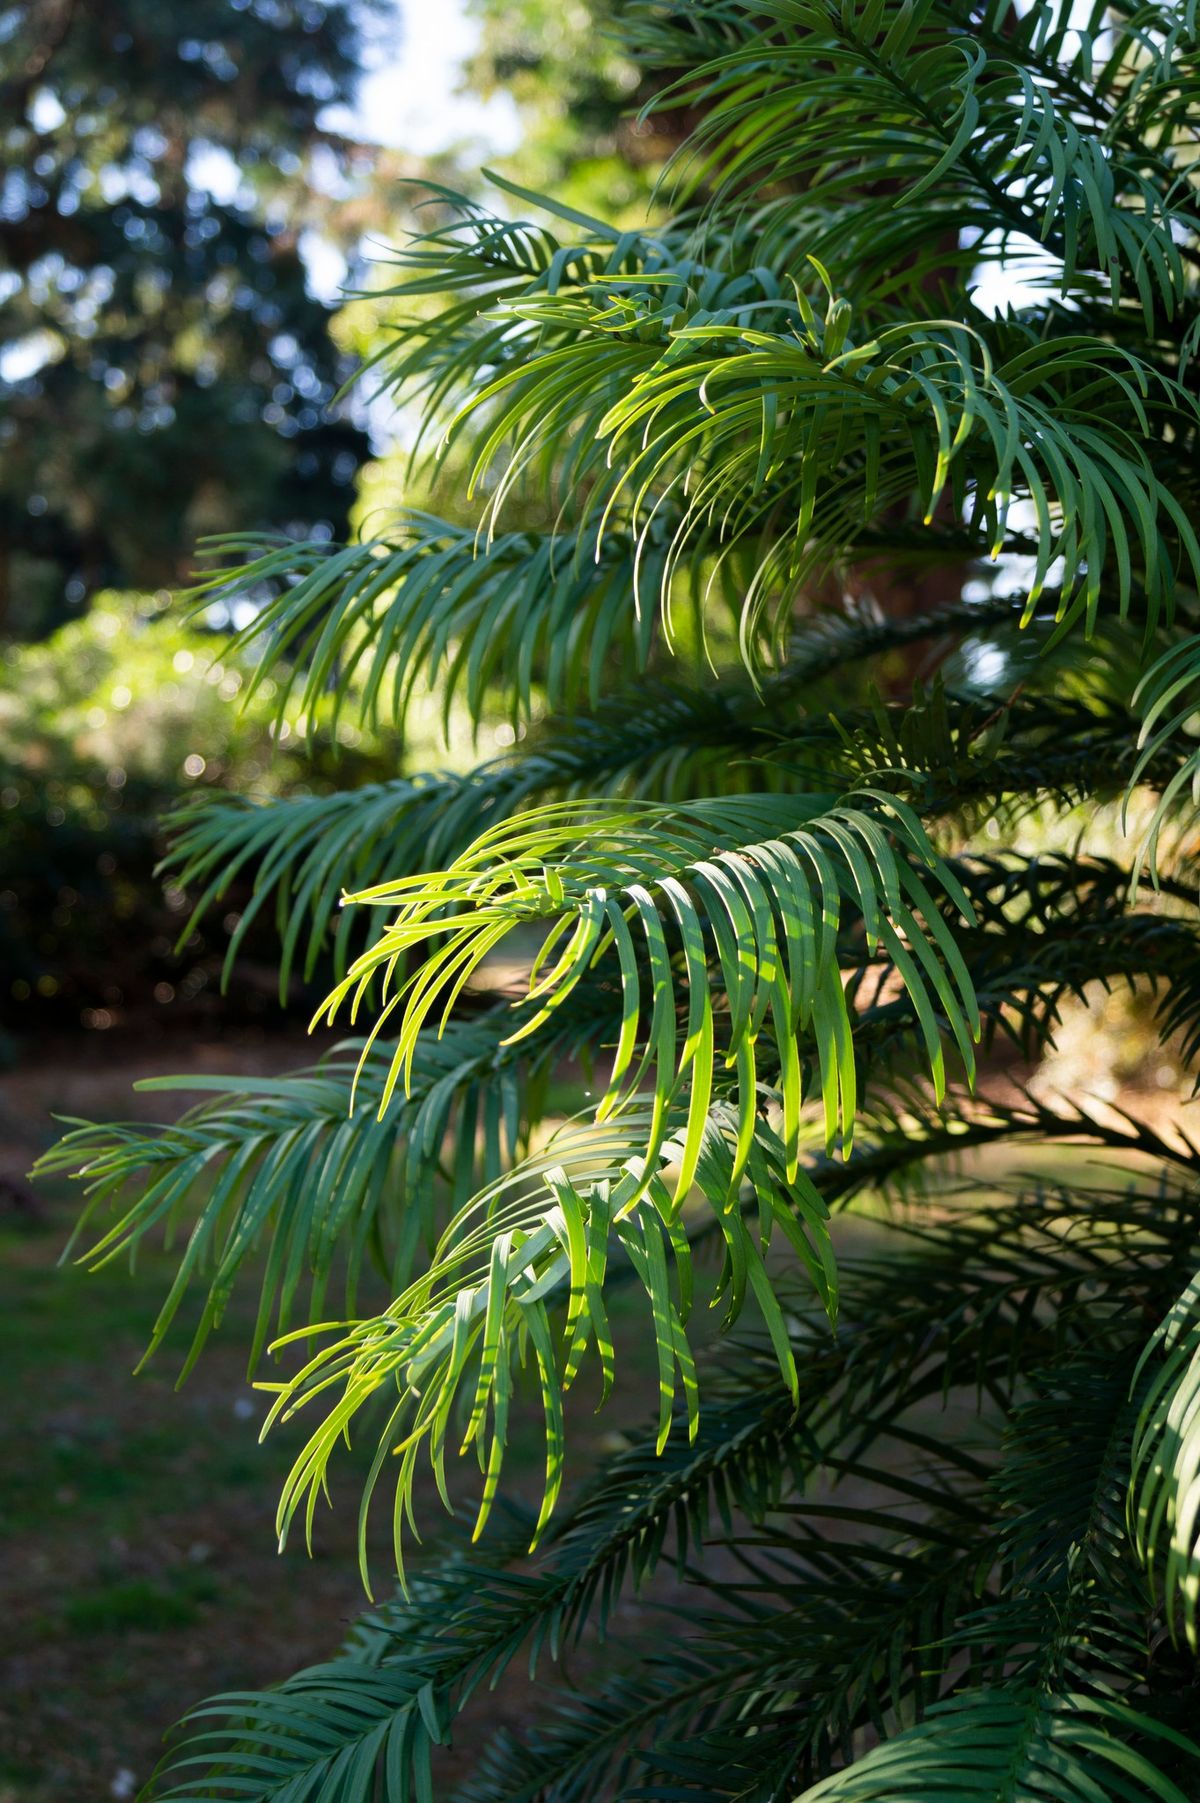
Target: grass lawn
(138,1566)
(140,1570)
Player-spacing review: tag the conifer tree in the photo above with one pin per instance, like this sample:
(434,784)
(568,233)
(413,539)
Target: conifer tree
(936,1490)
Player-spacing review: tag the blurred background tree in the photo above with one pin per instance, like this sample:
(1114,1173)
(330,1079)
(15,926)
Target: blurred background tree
(165,368)
(578,94)
(174,181)
(104,728)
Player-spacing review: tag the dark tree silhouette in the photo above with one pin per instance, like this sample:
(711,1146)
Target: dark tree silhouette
(165,370)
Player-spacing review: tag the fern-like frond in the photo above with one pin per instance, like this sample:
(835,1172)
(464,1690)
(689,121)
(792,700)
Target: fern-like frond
(903,1134)
(475,265)
(1169,699)
(923,1315)
(980,123)
(302,853)
(1065,1647)
(430,607)
(828,1637)
(299,854)
(761,883)
(1005,1746)
(410,1669)
(541,1234)
(306,1169)
(805,1638)
(1164,1496)
(788,446)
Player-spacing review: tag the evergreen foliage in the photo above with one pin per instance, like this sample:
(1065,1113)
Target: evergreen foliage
(831,568)
(167,371)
